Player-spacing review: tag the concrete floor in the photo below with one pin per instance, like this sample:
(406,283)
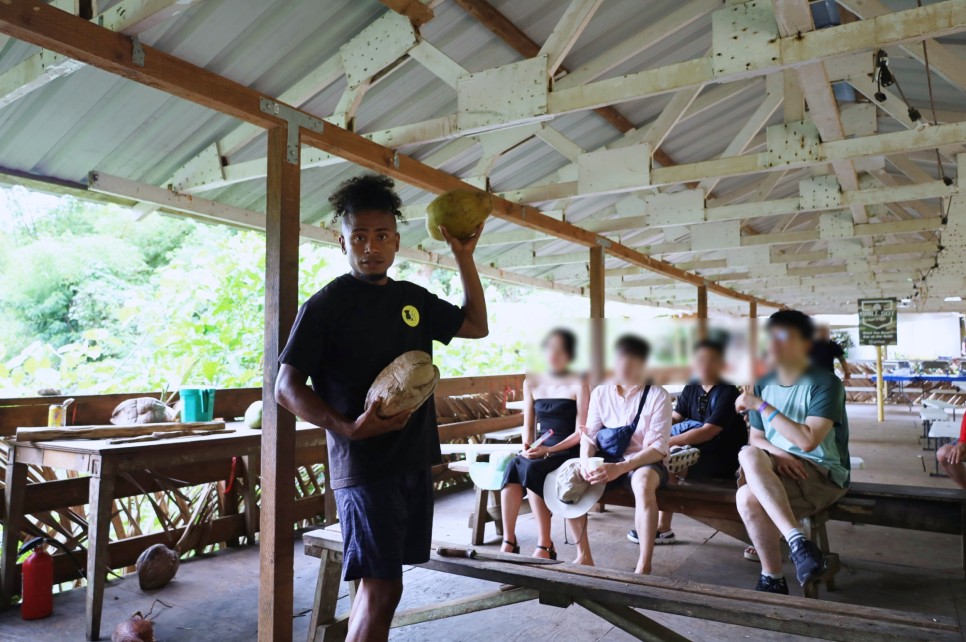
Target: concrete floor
(216,598)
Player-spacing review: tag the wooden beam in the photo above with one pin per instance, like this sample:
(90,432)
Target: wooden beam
(597,315)
(702,312)
(417,12)
(564,36)
(276,553)
(501,26)
(35,22)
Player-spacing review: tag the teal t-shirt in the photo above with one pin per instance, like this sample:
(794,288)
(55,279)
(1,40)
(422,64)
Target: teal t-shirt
(816,394)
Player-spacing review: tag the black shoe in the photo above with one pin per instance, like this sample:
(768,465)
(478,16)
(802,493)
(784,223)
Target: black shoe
(632,535)
(809,561)
(770,585)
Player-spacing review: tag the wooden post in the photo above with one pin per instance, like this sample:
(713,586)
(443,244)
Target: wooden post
(702,312)
(277,553)
(597,338)
(753,338)
(879,386)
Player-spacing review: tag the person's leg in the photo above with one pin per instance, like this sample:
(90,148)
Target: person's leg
(645,482)
(511,497)
(373,608)
(578,528)
(543,516)
(664,521)
(764,483)
(956,472)
(764,536)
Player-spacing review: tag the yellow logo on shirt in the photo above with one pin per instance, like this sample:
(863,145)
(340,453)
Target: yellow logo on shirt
(410,316)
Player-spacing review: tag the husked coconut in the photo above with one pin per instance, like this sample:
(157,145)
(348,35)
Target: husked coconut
(157,566)
(405,384)
(253,416)
(459,211)
(142,410)
(137,628)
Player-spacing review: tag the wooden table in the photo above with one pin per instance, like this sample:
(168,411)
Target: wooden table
(104,461)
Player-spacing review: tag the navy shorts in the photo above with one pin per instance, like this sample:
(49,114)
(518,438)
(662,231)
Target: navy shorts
(385,524)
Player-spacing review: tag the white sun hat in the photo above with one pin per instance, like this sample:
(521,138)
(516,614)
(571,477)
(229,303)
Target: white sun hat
(567,494)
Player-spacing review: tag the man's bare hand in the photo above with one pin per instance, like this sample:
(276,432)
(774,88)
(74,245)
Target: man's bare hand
(370,424)
(466,246)
(604,474)
(747,401)
(790,466)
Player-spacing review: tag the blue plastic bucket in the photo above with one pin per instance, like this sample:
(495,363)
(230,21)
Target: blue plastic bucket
(197,404)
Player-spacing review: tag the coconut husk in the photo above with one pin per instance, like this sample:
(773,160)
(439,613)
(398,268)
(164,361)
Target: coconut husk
(459,211)
(405,384)
(142,410)
(137,628)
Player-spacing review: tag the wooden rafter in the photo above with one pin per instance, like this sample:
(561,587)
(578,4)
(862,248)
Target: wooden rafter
(491,18)
(43,26)
(417,12)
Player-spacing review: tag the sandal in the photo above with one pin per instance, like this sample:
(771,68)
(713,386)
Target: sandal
(751,554)
(551,551)
(514,547)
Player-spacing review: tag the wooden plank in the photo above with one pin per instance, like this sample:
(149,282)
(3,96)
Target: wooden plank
(464,429)
(598,315)
(462,606)
(106,431)
(568,29)
(702,312)
(276,556)
(629,620)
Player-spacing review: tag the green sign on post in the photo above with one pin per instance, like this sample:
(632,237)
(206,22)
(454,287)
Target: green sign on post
(877,322)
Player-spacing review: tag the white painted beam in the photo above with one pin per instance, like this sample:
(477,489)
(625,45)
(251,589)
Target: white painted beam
(565,34)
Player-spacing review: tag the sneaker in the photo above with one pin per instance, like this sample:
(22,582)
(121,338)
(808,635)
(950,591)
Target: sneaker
(682,459)
(771,585)
(665,538)
(809,561)
(660,538)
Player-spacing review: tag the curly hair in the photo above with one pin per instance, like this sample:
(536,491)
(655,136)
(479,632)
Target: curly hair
(366,192)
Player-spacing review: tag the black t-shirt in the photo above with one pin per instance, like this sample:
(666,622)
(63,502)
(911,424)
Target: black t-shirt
(824,354)
(717,406)
(342,338)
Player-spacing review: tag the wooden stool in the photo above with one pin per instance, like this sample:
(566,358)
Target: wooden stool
(814,528)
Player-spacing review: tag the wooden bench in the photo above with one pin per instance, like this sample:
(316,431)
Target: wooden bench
(614,596)
(934,510)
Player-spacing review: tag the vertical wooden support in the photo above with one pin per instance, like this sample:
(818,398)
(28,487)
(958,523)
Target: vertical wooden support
(597,338)
(277,552)
(101,510)
(16,481)
(753,339)
(702,312)
(879,386)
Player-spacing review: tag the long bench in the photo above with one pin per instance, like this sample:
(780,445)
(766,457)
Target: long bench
(614,596)
(934,510)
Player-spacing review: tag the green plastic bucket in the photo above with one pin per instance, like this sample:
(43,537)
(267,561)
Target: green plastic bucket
(197,404)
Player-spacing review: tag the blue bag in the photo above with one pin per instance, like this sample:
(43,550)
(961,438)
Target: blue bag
(612,442)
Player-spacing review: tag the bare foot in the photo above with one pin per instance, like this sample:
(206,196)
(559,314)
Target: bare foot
(584,560)
(539,553)
(642,569)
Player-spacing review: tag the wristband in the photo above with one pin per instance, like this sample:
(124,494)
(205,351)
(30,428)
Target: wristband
(761,408)
(772,416)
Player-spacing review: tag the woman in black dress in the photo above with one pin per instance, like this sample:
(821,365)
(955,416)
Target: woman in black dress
(556,401)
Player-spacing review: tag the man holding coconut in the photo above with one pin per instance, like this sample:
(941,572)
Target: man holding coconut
(343,337)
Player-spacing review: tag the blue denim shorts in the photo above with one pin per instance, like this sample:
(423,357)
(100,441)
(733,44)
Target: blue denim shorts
(386,523)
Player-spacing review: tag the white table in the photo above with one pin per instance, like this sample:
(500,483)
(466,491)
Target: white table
(941,404)
(942,432)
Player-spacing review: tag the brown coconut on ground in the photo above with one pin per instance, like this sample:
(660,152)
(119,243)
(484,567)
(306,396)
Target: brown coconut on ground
(157,566)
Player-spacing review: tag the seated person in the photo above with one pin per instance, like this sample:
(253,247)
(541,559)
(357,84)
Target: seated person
(705,418)
(825,351)
(796,462)
(628,424)
(952,457)
(554,402)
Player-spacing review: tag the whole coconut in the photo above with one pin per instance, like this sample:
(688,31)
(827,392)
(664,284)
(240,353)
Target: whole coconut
(157,566)
(405,384)
(459,211)
(137,628)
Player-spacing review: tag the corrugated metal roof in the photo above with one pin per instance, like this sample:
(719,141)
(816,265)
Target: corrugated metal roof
(92,120)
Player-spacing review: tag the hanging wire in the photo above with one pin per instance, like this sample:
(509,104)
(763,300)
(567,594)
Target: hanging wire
(932,105)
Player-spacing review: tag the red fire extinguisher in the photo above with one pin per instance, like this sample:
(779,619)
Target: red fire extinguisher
(38,580)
